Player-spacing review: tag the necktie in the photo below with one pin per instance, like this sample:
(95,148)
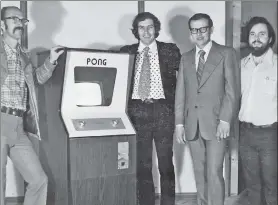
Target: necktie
(201,65)
(144,86)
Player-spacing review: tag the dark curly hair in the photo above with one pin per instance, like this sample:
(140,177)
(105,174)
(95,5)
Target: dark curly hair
(257,20)
(142,17)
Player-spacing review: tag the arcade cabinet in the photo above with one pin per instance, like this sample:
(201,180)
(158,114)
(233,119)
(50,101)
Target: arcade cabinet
(88,147)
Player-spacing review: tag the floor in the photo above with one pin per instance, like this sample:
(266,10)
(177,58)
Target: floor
(183,200)
(180,200)
(191,200)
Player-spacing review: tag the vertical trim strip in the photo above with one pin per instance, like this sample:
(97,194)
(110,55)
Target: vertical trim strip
(24,38)
(141,6)
(232,39)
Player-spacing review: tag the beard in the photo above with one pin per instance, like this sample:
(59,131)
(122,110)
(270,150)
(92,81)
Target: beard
(258,51)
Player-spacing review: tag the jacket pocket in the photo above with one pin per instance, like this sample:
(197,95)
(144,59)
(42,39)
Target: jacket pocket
(29,122)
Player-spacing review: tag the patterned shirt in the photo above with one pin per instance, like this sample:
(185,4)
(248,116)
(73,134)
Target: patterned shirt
(14,89)
(156,91)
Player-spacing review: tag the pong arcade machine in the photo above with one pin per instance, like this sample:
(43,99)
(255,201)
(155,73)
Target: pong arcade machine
(88,148)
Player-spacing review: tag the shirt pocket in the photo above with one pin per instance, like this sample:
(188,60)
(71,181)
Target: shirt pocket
(270,85)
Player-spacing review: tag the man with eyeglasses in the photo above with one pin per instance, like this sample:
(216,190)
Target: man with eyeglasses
(206,103)
(258,115)
(19,110)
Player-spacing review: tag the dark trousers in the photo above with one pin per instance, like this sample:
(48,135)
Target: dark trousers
(154,122)
(258,154)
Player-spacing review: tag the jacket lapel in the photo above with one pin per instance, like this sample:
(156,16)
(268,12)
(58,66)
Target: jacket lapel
(3,57)
(133,50)
(25,62)
(192,67)
(213,60)
(161,58)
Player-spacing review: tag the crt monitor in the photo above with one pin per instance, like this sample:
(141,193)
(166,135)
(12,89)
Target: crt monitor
(94,86)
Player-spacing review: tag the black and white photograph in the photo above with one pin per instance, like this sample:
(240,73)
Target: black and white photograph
(138,102)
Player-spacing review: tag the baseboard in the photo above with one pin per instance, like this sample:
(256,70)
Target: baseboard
(20,199)
(189,194)
(17,199)
(182,195)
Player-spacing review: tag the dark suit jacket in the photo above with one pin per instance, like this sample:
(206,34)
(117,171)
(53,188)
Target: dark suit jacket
(169,60)
(217,96)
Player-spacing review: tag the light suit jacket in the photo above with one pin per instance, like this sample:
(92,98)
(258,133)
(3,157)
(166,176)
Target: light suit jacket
(217,96)
(32,76)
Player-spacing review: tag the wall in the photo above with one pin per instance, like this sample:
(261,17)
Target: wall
(80,24)
(85,24)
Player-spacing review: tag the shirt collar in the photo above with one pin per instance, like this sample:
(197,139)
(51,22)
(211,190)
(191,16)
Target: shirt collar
(206,48)
(152,46)
(11,50)
(267,59)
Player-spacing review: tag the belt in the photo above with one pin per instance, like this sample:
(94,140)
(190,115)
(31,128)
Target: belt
(250,125)
(12,111)
(147,101)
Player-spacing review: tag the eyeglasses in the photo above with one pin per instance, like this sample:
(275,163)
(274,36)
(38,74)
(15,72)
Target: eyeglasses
(202,30)
(24,21)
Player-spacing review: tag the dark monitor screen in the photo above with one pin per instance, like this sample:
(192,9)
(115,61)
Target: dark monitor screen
(94,86)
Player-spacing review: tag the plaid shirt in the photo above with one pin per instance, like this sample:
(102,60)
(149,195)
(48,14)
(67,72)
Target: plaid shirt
(14,89)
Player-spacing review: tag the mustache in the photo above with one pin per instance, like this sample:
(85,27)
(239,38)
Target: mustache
(256,41)
(18,28)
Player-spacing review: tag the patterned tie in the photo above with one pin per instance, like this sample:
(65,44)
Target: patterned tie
(144,86)
(201,65)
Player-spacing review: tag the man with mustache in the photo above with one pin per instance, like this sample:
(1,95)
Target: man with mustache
(151,107)
(19,110)
(258,115)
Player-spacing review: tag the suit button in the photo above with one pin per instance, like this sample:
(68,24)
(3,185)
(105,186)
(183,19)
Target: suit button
(196,106)
(199,92)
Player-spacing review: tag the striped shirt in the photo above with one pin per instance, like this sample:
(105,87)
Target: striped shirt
(14,89)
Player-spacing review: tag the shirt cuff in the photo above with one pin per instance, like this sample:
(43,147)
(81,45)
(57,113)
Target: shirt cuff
(179,125)
(49,66)
(53,63)
(224,122)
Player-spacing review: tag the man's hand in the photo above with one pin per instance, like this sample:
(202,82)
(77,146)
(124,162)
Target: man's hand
(179,134)
(55,52)
(223,130)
